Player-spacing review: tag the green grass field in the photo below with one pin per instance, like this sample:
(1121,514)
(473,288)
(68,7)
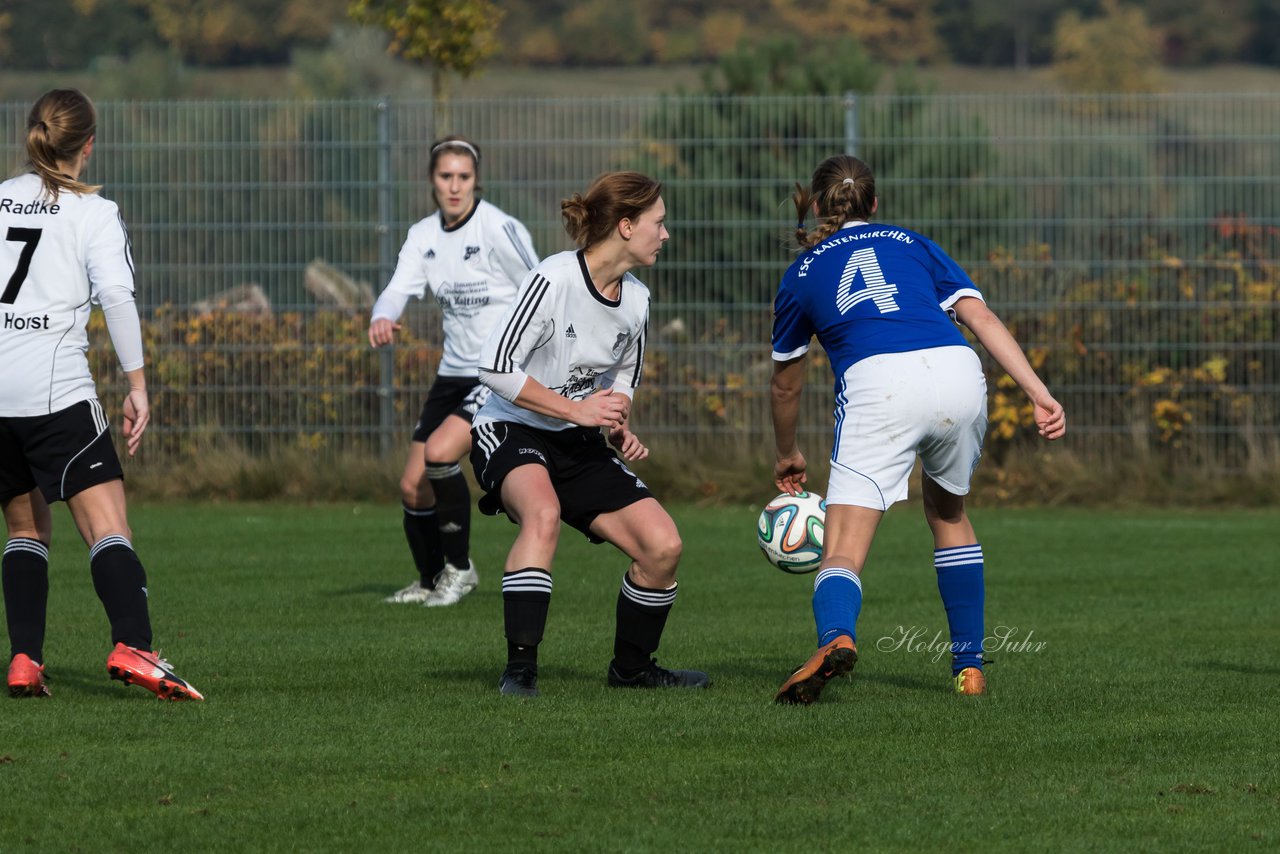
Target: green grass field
(1139,712)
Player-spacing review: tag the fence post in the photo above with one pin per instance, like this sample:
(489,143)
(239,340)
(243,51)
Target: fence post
(850,123)
(386,265)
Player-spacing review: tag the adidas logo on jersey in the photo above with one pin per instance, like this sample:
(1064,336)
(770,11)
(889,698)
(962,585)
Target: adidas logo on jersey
(569,333)
(431,253)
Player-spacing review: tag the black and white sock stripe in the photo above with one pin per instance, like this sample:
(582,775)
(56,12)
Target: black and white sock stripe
(527,581)
(414,511)
(441,471)
(108,542)
(648,598)
(26,544)
(528,303)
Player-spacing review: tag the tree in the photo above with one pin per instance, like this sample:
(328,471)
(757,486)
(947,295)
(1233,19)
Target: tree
(452,36)
(1193,32)
(220,32)
(893,31)
(1114,52)
(1022,19)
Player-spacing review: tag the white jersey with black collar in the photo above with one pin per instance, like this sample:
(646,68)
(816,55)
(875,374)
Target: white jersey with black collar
(563,333)
(473,269)
(57,257)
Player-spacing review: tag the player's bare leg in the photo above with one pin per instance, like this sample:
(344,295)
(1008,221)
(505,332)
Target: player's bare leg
(121,583)
(646,533)
(420,528)
(26,590)
(837,601)
(448,444)
(530,500)
(957,558)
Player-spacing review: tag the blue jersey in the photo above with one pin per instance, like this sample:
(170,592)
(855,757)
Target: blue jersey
(865,290)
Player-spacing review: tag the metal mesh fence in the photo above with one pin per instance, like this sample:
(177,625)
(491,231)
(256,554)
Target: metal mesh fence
(1131,243)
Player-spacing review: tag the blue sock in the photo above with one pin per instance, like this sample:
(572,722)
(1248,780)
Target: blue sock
(837,599)
(960,583)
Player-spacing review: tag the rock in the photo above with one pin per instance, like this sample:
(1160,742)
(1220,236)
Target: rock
(248,298)
(330,286)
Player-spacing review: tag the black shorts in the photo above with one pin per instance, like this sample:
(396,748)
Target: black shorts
(588,476)
(64,453)
(460,396)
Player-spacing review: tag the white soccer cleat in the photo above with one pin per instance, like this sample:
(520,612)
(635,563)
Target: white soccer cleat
(414,594)
(452,584)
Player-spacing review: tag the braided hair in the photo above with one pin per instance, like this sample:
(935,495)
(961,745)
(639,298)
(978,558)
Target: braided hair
(844,190)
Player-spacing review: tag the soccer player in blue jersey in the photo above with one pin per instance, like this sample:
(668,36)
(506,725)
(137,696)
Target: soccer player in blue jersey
(882,301)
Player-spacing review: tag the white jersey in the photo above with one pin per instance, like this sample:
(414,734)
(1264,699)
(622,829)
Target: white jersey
(563,333)
(56,258)
(473,268)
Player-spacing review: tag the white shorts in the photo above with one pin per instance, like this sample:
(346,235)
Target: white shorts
(895,406)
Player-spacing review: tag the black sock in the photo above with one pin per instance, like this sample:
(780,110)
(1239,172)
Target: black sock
(121,583)
(26,595)
(453,511)
(526,597)
(642,615)
(423,533)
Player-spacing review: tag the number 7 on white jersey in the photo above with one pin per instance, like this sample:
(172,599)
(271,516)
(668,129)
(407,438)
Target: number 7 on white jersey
(877,290)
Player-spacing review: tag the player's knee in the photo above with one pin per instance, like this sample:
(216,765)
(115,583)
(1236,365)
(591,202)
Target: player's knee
(541,522)
(662,554)
(416,492)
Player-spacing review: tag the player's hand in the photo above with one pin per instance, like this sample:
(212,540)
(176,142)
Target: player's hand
(382,331)
(789,473)
(137,415)
(1051,420)
(628,444)
(603,409)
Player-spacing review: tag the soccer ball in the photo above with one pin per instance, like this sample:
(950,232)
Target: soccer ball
(789,531)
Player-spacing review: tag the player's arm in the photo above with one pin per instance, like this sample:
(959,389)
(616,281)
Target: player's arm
(526,325)
(792,333)
(513,249)
(627,443)
(604,408)
(109,265)
(784,400)
(408,280)
(623,379)
(1000,343)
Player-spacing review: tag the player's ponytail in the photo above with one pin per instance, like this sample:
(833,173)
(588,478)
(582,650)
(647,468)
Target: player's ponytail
(844,190)
(611,198)
(61,124)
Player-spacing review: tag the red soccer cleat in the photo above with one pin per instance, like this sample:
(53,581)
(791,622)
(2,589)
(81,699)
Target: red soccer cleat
(26,678)
(139,667)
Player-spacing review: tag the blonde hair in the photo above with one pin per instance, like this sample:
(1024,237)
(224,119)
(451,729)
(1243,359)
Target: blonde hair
(611,198)
(844,189)
(61,124)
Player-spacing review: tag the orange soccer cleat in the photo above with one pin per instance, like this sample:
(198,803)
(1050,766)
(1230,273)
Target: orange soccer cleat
(26,678)
(807,682)
(139,667)
(971,681)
